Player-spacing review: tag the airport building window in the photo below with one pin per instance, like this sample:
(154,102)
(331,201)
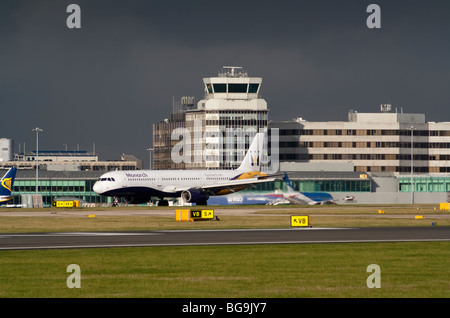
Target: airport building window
(237,88)
(253,88)
(316,186)
(220,88)
(51,189)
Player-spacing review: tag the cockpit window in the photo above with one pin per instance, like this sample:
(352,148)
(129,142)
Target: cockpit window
(106,179)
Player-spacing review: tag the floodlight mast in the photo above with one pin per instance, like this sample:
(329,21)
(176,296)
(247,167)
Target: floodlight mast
(37,130)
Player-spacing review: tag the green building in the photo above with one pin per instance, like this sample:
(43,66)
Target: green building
(57,184)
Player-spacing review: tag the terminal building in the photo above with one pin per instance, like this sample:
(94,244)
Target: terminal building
(61,174)
(406,158)
(372,142)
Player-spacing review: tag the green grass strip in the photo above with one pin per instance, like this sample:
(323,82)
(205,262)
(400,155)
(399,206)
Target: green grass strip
(304,270)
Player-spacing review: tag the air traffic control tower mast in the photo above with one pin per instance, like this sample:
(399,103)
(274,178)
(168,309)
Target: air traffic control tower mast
(231,106)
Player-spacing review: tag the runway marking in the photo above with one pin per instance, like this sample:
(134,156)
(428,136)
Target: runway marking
(220,243)
(257,230)
(159,232)
(200,241)
(76,234)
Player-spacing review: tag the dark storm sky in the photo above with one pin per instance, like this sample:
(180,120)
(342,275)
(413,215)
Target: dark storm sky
(109,81)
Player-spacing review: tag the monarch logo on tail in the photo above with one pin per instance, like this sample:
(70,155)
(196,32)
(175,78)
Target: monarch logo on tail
(255,160)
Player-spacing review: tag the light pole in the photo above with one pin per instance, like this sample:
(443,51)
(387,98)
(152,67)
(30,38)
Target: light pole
(412,164)
(150,152)
(37,130)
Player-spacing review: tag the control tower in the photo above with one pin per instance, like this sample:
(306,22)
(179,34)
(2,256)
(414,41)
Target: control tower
(232,112)
(221,127)
(232,89)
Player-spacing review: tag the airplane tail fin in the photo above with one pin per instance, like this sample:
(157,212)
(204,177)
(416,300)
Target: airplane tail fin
(252,160)
(7,182)
(288,183)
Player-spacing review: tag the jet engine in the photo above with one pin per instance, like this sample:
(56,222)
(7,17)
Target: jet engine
(195,196)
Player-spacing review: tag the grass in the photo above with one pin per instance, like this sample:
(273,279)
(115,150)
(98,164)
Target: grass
(321,216)
(290,271)
(408,270)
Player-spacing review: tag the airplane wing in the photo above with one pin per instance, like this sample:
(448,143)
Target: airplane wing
(300,198)
(227,187)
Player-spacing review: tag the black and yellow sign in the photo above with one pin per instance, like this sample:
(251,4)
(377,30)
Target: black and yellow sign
(202,214)
(65,204)
(300,221)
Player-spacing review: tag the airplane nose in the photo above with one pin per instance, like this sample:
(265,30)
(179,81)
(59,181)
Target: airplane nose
(97,188)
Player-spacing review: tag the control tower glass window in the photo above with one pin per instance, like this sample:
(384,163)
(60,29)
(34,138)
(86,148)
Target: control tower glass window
(237,88)
(209,88)
(220,88)
(253,88)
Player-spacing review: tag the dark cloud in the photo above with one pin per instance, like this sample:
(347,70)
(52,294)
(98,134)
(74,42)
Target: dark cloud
(109,81)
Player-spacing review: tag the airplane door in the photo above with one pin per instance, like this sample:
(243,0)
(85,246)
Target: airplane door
(124,181)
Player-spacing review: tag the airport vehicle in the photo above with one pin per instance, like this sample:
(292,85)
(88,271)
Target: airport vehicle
(7,183)
(193,186)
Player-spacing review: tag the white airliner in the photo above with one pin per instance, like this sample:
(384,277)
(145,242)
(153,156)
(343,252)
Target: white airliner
(194,186)
(6,186)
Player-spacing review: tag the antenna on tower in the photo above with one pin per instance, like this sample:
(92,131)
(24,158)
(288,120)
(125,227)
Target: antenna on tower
(385,108)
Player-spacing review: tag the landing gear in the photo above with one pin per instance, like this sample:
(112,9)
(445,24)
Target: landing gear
(163,203)
(115,201)
(204,202)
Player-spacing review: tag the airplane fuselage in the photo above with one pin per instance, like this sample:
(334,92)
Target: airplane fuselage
(168,183)
(5,198)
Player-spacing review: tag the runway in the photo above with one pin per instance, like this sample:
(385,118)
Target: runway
(221,237)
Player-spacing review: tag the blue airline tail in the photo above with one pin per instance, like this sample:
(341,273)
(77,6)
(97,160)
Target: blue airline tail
(288,183)
(7,182)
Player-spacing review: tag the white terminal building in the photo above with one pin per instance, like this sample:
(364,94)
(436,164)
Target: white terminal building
(386,142)
(405,158)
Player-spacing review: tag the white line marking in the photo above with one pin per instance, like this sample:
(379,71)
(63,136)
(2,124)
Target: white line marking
(220,243)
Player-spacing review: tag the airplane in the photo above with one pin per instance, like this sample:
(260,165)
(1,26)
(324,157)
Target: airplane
(193,186)
(311,198)
(7,183)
